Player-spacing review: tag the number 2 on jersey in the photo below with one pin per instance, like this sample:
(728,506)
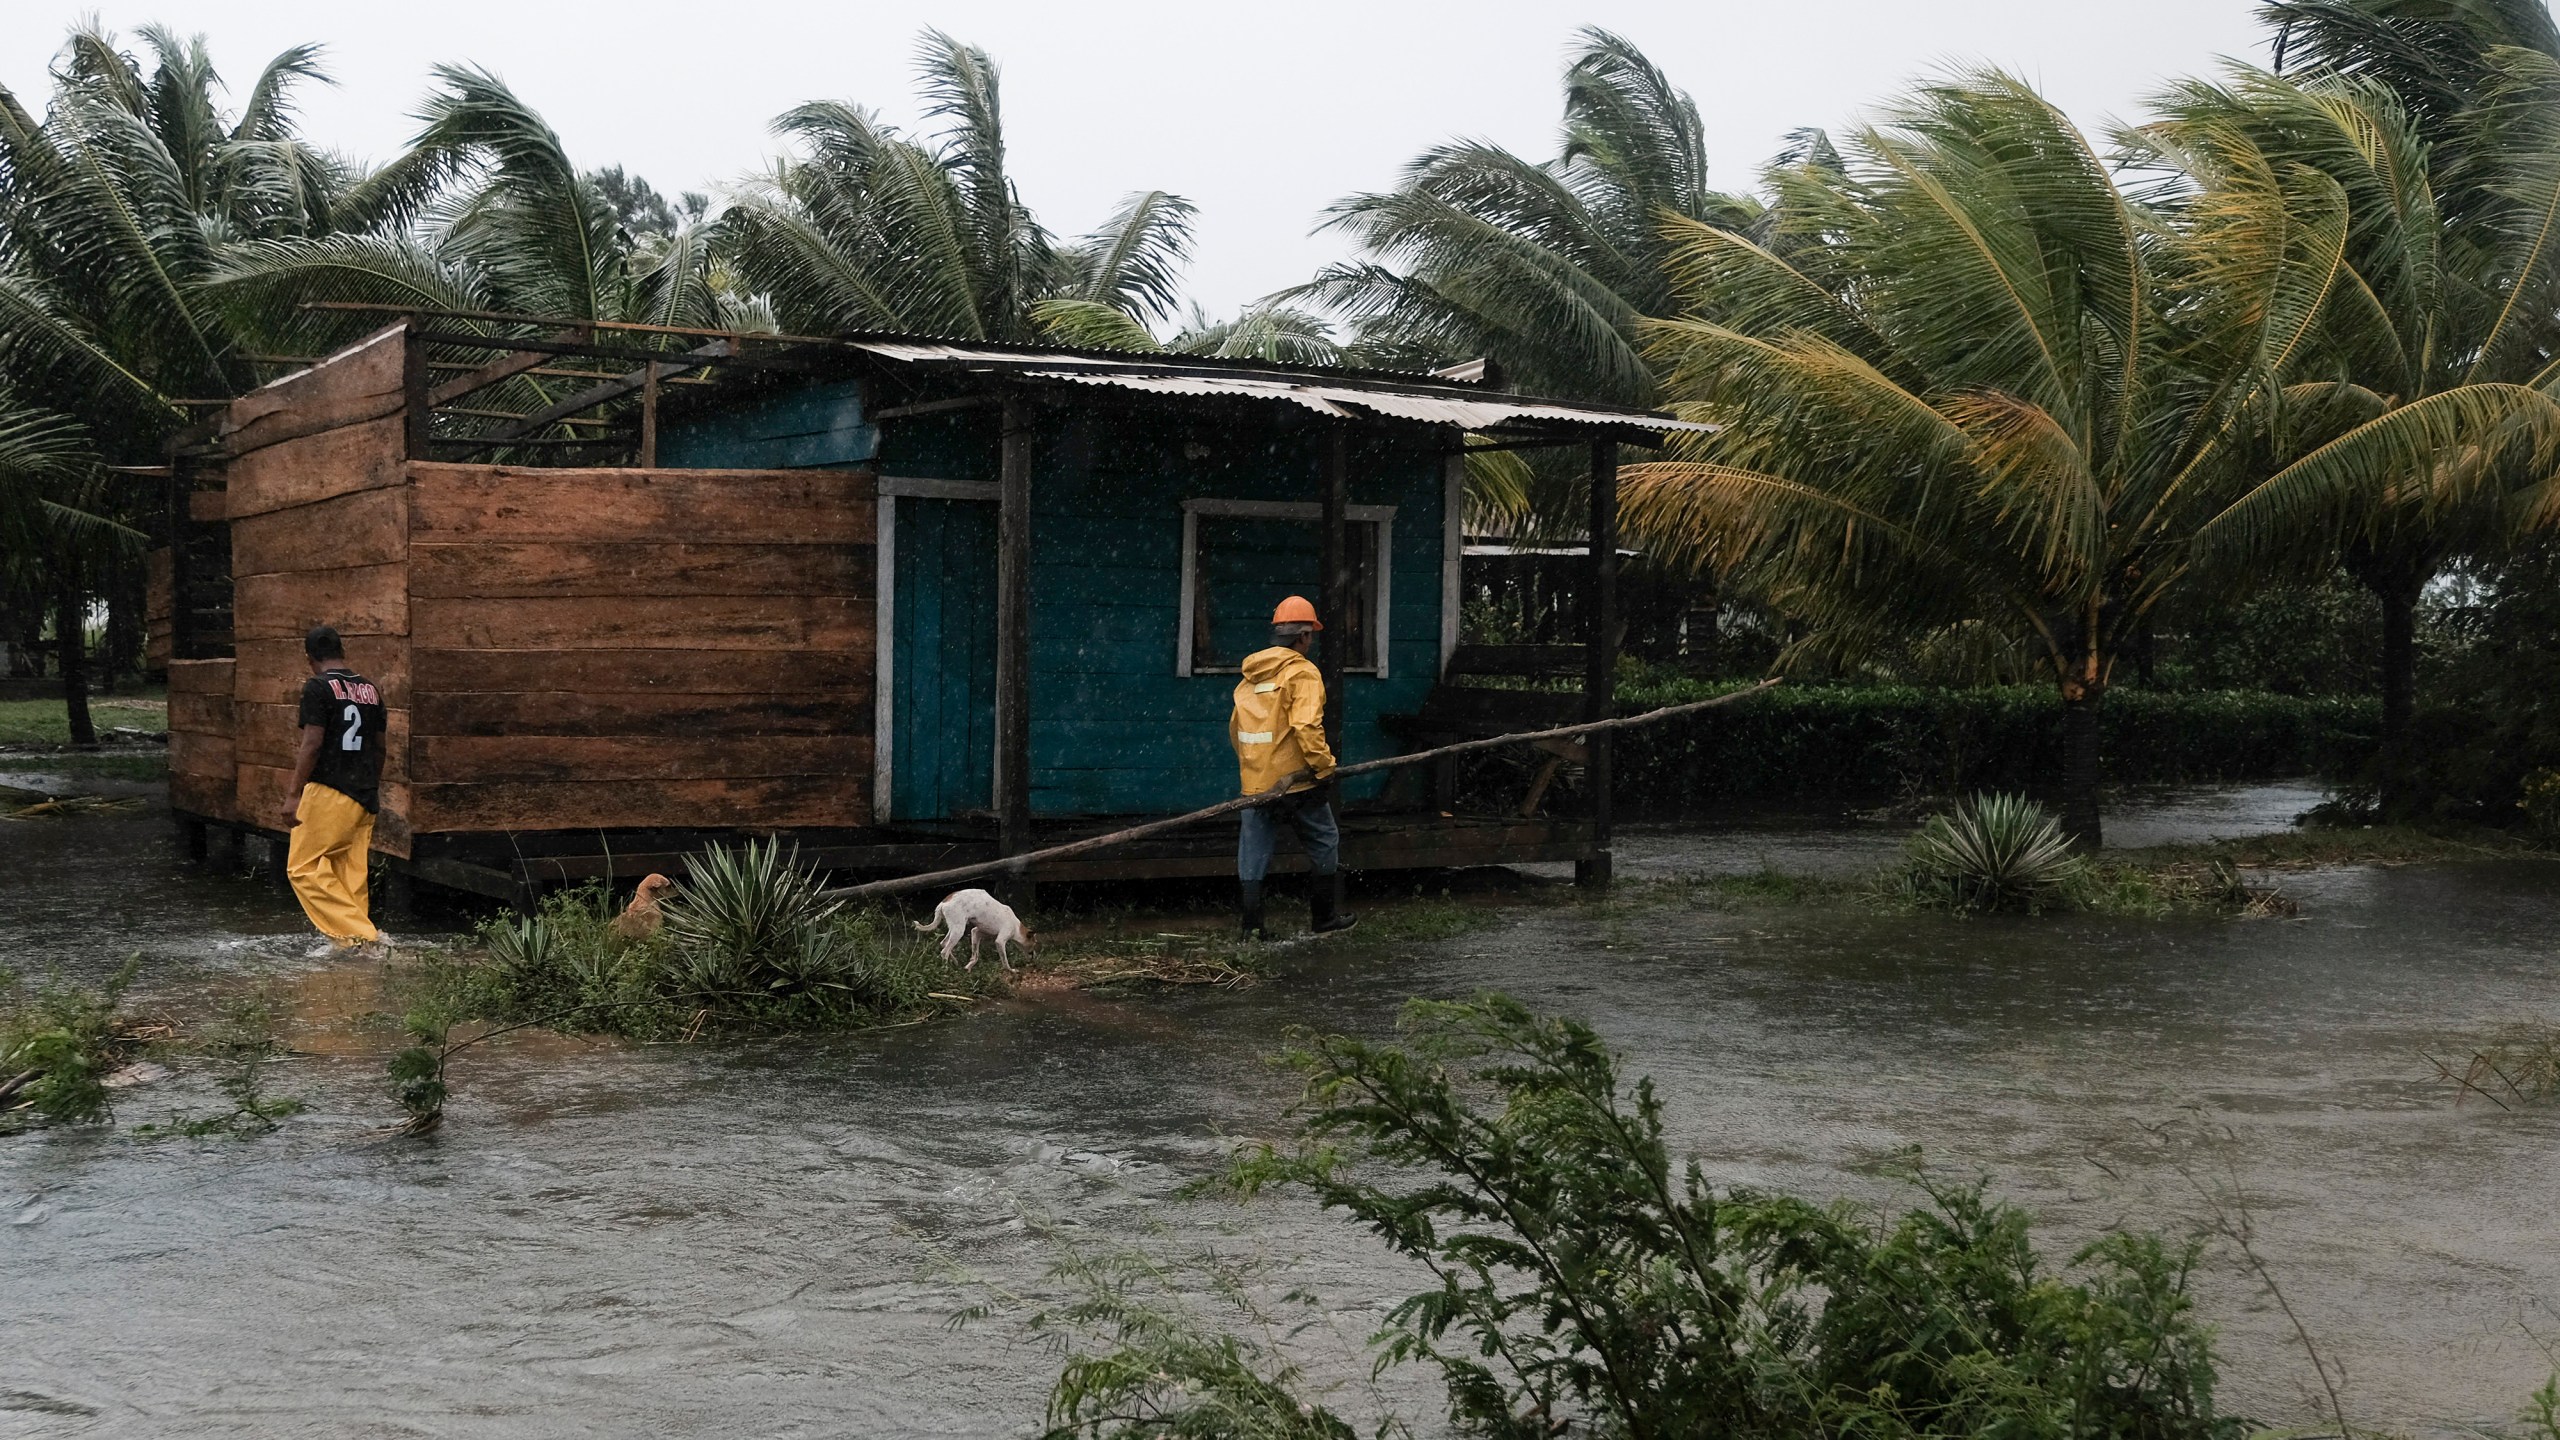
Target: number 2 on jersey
(354,738)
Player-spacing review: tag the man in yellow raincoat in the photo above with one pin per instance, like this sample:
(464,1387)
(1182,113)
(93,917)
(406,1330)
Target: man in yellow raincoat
(1278,732)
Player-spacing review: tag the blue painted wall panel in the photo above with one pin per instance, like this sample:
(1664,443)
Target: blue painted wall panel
(813,426)
(1113,729)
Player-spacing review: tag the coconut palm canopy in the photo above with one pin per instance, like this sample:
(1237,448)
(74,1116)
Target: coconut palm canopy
(2415,424)
(1969,388)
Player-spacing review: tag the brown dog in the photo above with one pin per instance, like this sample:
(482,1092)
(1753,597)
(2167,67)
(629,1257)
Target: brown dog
(641,919)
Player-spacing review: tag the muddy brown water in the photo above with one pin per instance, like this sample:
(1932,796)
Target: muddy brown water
(773,1238)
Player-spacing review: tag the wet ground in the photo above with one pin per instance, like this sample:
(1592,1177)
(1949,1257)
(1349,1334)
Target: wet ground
(773,1239)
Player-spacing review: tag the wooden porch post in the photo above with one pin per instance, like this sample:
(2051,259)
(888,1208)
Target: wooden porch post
(1599,684)
(1333,599)
(1013,634)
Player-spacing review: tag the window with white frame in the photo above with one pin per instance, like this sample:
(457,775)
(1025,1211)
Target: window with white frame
(1240,558)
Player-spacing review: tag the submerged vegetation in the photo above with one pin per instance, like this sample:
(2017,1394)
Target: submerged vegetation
(1587,1282)
(58,1044)
(747,943)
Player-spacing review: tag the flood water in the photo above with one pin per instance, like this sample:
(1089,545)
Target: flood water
(772,1239)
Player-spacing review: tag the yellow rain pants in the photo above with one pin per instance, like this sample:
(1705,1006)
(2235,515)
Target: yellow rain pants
(328,861)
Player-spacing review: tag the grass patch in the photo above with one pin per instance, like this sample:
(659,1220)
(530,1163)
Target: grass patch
(44,722)
(2510,1067)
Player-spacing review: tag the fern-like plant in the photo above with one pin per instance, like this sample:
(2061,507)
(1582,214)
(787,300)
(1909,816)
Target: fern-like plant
(1996,852)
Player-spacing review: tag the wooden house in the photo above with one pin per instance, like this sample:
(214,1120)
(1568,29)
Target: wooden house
(911,602)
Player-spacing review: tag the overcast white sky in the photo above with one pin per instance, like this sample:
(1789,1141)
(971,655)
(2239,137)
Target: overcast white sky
(1261,114)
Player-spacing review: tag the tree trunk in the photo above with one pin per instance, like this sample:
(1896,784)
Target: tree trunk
(121,655)
(2396,581)
(70,633)
(2080,770)
(2399,698)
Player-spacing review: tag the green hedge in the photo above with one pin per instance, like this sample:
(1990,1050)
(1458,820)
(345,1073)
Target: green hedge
(1806,742)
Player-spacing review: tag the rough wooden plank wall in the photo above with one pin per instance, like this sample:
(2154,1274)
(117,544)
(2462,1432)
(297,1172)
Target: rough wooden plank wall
(201,777)
(612,648)
(318,508)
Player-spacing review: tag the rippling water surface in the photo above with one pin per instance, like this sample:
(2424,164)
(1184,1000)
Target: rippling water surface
(772,1239)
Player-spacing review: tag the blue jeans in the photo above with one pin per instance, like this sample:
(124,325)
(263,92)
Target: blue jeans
(1307,812)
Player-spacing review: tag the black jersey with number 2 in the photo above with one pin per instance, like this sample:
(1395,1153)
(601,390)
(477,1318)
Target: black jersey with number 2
(348,710)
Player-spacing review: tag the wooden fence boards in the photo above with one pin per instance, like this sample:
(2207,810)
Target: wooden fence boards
(505,569)
(835,678)
(649,622)
(440,759)
(364,382)
(358,600)
(639,804)
(737,507)
(566,712)
(608,648)
(369,527)
(315,467)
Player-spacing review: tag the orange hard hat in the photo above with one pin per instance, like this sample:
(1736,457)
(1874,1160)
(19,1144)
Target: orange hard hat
(1296,610)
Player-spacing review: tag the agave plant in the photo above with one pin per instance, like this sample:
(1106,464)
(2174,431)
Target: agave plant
(1996,852)
(750,919)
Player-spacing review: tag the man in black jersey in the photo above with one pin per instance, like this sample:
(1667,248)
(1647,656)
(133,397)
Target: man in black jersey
(337,786)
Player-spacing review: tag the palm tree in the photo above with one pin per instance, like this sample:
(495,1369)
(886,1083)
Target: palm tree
(1548,268)
(1971,393)
(114,208)
(485,211)
(2413,420)
(868,228)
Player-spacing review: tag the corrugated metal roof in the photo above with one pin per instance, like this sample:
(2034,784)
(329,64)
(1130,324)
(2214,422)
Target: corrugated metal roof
(1332,395)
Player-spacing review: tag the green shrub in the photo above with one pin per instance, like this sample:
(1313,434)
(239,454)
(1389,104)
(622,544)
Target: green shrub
(58,1045)
(1995,852)
(1589,1285)
(1801,742)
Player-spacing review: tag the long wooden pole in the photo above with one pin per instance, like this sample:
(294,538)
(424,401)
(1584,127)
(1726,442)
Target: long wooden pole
(1018,863)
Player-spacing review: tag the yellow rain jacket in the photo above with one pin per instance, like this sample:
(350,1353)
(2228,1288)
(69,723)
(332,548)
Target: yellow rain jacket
(1278,725)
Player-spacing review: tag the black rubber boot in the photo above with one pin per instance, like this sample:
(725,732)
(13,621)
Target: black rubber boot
(1324,903)
(1250,902)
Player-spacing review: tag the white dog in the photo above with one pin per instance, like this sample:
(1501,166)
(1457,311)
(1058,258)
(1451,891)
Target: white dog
(977,914)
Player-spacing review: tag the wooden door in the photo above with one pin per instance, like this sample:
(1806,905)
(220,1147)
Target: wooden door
(942,752)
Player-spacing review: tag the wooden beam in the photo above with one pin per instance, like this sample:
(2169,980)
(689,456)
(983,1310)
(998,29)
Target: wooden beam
(614,389)
(505,367)
(1333,582)
(1013,626)
(936,407)
(510,317)
(1600,679)
(649,419)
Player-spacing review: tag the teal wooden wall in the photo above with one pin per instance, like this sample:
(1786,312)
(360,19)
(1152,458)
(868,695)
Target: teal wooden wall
(1113,729)
(795,429)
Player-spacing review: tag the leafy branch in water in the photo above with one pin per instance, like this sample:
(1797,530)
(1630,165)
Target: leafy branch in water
(57,1047)
(1588,1284)
(245,1039)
